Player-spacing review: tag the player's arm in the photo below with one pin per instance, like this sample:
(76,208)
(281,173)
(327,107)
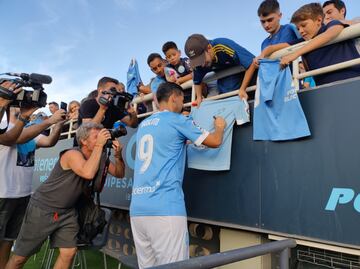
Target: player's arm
(214,139)
(185,78)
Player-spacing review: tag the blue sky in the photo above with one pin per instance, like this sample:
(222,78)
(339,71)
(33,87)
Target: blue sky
(79,41)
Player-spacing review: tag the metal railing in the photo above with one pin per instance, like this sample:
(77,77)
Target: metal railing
(350,32)
(69,132)
(236,255)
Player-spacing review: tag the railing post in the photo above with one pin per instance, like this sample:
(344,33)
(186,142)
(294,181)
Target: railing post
(70,128)
(284,259)
(193,93)
(295,67)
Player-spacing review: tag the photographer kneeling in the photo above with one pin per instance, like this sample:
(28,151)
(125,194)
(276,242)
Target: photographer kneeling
(51,209)
(102,109)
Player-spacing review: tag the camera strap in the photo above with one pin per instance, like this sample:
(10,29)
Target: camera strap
(103,179)
(105,171)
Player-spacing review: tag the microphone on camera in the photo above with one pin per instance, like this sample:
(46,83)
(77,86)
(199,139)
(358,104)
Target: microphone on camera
(42,79)
(36,78)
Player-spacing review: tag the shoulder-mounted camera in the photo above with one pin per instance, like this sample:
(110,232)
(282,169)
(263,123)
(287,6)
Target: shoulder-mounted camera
(26,98)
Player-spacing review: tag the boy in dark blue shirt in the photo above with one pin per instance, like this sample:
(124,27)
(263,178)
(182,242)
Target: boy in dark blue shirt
(218,54)
(270,16)
(180,65)
(309,21)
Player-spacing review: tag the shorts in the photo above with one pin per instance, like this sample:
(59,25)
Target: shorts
(12,211)
(160,239)
(40,223)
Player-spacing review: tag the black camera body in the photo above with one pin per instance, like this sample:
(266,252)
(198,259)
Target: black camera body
(36,98)
(26,98)
(118,99)
(119,130)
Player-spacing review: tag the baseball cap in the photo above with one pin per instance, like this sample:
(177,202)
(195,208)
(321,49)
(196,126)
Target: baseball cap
(195,48)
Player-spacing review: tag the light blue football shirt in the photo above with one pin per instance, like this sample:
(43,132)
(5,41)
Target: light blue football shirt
(133,78)
(278,114)
(160,163)
(217,159)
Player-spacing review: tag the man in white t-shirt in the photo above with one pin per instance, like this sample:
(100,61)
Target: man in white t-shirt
(8,137)
(16,172)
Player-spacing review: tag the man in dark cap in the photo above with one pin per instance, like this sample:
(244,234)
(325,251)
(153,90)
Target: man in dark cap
(218,54)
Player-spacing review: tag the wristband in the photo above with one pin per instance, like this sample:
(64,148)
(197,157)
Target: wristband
(24,120)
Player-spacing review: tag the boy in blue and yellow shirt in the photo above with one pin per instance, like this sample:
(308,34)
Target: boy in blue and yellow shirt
(218,54)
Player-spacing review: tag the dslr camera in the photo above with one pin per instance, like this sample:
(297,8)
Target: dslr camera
(26,98)
(118,99)
(118,130)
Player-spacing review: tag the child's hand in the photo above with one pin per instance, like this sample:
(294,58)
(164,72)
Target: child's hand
(286,60)
(179,81)
(172,79)
(198,101)
(256,61)
(242,94)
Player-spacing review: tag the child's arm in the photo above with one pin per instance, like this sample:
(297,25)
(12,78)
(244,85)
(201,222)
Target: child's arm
(198,92)
(351,22)
(313,44)
(268,51)
(185,78)
(247,78)
(145,89)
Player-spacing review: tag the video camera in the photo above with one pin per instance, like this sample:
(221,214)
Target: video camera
(118,130)
(118,99)
(25,98)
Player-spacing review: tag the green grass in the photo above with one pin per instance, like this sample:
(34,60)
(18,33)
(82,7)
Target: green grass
(94,260)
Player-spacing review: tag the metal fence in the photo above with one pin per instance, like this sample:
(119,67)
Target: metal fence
(350,32)
(236,255)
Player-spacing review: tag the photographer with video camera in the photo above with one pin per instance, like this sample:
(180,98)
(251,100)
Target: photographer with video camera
(17,160)
(109,106)
(13,94)
(51,211)
(8,137)
(16,173)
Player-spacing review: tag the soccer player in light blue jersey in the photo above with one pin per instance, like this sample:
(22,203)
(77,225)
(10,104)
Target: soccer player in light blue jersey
(157,209)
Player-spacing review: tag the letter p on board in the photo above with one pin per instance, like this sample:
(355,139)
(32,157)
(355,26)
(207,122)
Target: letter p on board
(339,196)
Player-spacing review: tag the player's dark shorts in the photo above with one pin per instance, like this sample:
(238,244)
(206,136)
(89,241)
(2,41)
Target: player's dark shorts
(40,223)
(12,211)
